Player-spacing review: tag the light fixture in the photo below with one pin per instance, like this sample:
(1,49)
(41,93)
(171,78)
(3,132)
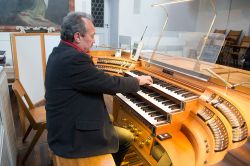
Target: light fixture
(165,23)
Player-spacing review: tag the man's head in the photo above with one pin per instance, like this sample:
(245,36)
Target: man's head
(77,27)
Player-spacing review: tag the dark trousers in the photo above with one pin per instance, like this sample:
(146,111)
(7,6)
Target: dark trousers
(125,141)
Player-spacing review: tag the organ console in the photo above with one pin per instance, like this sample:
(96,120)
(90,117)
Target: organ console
(202,120)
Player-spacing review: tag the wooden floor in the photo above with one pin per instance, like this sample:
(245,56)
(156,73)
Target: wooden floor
(40,156)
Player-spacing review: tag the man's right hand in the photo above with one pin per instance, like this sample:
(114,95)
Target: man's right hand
(143,79)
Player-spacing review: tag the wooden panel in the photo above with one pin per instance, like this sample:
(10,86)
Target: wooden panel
(102,160)
(179,149)
(30,55)
(51,40)
(29,64)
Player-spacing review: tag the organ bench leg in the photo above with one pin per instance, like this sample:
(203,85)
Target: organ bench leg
(102,160)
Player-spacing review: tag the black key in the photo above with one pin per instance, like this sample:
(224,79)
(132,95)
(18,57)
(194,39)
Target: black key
(135,100)
(173,107)
(190,94)
(148,109)
(157,81)
(154,114)
(165,85)
(161,118)
(147,91)
(144,106)
(172,88)
(181,91)
(166,103)
(154,94)
(160,98)
(141,104)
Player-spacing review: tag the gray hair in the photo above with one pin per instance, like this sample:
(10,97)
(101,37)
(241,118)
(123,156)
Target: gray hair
(73,23)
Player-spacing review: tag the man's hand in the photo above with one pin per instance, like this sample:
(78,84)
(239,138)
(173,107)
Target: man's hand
(145,80)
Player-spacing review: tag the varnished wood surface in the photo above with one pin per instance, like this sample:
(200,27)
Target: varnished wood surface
(102,160)
(40,155)
(181,149)
(109,54)
(233,75)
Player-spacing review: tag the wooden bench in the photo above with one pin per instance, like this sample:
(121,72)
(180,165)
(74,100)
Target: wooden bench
(102,160)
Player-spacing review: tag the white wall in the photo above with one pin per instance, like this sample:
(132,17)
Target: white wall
(133,24)
(114,17)
(182,17)
(222,8)
(238,18)
(189,16)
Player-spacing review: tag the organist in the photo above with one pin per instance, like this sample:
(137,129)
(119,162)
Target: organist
(77,119)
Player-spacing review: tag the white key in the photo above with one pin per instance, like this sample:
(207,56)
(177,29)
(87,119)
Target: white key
(145,115)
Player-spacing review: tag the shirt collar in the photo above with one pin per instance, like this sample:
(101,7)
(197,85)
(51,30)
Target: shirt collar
(74,46)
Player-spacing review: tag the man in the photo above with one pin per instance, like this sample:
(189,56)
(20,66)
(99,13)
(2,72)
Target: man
(77,119)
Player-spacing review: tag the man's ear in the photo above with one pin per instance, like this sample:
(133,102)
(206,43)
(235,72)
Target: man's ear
(77,36)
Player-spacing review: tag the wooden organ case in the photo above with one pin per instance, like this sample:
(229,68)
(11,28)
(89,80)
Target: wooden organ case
(179,120)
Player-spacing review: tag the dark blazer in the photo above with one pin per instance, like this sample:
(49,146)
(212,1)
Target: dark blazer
(78,123)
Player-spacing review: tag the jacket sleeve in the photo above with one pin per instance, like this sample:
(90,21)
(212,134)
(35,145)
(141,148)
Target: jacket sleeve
(84,76)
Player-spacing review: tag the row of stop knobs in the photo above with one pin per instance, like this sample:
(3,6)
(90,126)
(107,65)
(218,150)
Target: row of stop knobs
(136,132)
